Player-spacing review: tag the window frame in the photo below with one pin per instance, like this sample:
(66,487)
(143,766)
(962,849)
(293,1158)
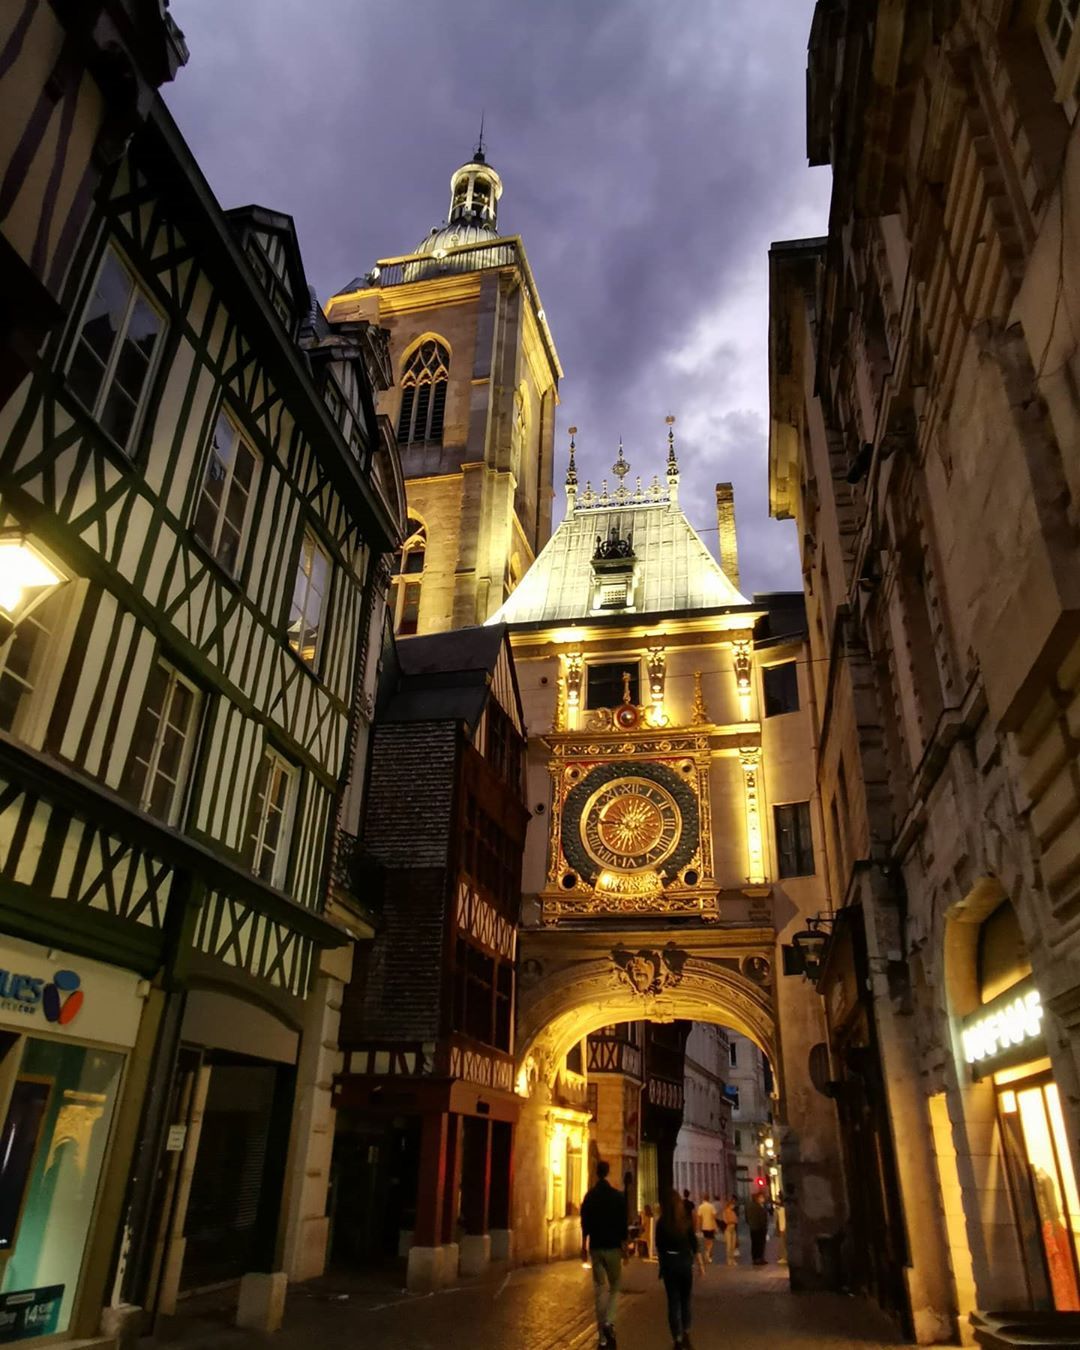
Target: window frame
(139,289)
(791,665)
(224,409)
(1065,70)
(178,805)
(631,664)
(291,773)
(315,664)
(31,721)
(800,856)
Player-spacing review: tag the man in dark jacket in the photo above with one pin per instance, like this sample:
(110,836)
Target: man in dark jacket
(603,1234)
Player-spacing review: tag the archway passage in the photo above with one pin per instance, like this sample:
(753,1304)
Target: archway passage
(573,984)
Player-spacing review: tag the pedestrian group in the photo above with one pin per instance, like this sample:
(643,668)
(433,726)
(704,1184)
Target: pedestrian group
(684,1237)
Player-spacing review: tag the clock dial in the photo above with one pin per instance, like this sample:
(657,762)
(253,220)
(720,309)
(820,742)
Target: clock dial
(630,824)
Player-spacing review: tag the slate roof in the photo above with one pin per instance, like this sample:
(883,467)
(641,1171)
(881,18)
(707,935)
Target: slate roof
(677,573)
(447,677)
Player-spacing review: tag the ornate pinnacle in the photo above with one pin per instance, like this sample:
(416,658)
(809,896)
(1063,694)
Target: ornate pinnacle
(672,462)
(620,468)
(571,468)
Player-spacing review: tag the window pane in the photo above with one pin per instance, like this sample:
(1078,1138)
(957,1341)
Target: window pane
(605,684)
(118,415)
(228,549)
(404,421)
(420,427)
(414,560)
(780,685)
(105,313)
(85,375)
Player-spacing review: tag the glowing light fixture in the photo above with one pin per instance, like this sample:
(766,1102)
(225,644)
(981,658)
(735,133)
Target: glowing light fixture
(26,575)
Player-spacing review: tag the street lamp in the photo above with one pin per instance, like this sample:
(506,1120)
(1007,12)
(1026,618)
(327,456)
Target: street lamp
(26,576)
(811,945)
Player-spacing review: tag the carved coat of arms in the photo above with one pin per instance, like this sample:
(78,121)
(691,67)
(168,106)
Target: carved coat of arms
(648,972)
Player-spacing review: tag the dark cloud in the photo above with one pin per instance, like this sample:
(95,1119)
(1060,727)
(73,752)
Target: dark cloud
(649,153)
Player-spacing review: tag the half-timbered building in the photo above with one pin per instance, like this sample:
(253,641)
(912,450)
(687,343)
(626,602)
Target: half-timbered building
(195,499)
(426,1102)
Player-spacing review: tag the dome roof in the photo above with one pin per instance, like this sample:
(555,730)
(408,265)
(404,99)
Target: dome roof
(456,235)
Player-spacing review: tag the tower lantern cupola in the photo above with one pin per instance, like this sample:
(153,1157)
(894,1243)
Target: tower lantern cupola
(475,190)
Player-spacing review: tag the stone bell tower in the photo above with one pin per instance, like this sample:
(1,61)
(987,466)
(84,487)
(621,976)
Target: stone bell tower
(473,406)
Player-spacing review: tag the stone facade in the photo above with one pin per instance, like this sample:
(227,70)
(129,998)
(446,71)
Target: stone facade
(704,1156)
(924,418)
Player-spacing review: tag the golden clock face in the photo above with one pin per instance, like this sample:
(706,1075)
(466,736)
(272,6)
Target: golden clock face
(630,824)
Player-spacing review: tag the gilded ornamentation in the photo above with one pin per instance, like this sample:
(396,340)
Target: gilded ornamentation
(755,846)
(561,722)
(698,714)
(648,972)
(657,667)
(573,687)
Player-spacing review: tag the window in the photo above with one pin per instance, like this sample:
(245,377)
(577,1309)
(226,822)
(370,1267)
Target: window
(733,1052)
(264,839)
(423,395)
(161,744)
(1059,33)
(781,687)
(120,335)
(24,662)
(411,557)
(309,599)
(613,594)
(225,496)
(606,684)
(410,609)
(410,563)
(794,842)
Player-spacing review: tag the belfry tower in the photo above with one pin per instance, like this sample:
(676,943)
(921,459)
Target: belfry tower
(473,404)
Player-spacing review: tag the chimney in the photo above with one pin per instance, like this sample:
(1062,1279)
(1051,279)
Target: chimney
(728,547)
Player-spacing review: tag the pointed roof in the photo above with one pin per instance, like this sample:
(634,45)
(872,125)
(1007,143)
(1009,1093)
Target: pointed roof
(674,573)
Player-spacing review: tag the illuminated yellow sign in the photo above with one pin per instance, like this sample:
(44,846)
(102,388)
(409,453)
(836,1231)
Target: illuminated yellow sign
(1008,1024)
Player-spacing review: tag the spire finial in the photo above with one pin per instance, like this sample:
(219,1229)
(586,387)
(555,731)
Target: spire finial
(571,468)
(672,462)
(479,156)
(620,468)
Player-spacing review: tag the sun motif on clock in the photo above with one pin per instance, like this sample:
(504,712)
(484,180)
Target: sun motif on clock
(631,824)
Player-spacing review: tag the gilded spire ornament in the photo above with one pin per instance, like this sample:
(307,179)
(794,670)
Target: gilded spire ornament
(571,476)
(672,464)
(620,468)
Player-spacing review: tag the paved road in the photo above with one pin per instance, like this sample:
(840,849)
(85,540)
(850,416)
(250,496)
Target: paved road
(549,1308)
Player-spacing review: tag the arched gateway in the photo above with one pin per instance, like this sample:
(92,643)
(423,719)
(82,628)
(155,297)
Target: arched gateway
(672,848)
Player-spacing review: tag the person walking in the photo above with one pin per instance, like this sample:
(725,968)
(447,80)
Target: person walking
(603,1235)
(731,1229)
(676,1247)
(757,1220)
(707,1223)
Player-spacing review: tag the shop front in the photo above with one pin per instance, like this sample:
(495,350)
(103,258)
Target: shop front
(67,1027)
(1003,1041)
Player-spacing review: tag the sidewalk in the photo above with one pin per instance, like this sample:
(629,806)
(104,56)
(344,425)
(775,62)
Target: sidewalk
(548,1308)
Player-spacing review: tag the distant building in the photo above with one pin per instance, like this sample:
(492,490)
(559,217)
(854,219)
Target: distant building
(704,1152)
(747,1089)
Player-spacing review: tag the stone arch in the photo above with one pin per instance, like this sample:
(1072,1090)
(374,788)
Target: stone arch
(587,995)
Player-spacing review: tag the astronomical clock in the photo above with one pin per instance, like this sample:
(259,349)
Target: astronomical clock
(630,830)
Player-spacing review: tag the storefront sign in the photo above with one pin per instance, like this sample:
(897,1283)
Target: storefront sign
(30,1312)
(1007,1030)
(55,991)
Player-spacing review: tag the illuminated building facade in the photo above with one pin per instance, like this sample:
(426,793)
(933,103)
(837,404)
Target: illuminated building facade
(674,843)
(473,404)
(925,422)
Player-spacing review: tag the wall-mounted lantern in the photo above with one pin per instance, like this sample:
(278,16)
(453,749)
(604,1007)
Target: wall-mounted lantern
(27,577)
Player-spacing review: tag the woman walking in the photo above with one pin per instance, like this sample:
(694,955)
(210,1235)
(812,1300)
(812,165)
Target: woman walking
(676,1246)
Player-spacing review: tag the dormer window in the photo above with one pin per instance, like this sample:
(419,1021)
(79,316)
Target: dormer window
(614,565)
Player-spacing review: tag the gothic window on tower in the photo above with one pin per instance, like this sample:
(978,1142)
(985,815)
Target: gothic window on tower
(409,576)
(423,395)
(607,684)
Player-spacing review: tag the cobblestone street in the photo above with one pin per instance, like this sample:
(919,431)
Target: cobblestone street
(550,1308)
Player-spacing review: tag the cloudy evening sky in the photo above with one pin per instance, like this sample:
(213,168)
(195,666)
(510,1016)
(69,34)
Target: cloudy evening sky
(649,154)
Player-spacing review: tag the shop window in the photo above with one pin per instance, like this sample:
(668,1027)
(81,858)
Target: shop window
(606,684)
(161,744)
(115,351)
(794,841)
(224,505)
(56,1127)
(780,685)
(309,599)
(266,836)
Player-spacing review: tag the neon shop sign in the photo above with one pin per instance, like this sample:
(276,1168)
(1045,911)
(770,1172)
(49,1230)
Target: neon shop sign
(1007,1030)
